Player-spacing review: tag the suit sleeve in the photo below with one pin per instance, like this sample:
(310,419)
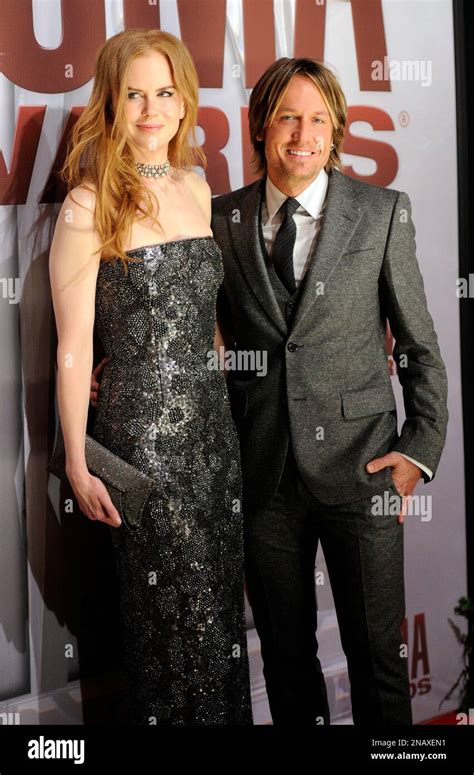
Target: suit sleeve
(420,368)
(423,468)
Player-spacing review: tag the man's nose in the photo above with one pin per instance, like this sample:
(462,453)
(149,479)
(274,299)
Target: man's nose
(303,131)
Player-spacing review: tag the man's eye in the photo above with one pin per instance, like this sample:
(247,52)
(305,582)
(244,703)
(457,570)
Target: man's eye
(287,118)
(319,119)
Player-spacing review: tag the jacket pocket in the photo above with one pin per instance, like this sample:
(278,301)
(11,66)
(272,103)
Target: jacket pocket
(366,401)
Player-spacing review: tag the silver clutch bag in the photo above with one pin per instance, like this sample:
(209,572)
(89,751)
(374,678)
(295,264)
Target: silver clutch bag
(129,488)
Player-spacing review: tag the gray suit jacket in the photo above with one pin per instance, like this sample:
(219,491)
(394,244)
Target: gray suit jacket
(328,385)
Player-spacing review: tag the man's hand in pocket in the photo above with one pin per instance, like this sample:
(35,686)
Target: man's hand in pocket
(95,381)
(405,475)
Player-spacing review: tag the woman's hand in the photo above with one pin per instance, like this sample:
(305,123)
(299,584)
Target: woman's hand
(93,499)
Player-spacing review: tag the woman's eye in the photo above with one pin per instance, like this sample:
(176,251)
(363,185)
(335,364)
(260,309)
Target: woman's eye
(164,93)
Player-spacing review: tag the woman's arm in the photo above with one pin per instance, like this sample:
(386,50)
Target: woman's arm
(73,274)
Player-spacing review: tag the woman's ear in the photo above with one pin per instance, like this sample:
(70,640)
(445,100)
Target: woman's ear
(182,112)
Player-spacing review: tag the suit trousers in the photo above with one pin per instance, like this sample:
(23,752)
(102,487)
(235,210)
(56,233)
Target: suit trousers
(364,558)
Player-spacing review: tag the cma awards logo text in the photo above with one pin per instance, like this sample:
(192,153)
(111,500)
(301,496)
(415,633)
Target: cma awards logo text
(415,643)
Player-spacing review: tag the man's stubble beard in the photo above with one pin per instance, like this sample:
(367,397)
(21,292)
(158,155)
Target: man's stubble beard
(289,175)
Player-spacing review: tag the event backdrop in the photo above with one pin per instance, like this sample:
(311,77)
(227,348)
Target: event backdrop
(395,59)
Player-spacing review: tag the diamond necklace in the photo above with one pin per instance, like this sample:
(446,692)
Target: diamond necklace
(152,170)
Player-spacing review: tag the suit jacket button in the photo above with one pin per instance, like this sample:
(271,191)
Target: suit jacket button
(292,346)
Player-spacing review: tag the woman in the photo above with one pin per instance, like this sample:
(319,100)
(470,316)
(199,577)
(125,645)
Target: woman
(133,249)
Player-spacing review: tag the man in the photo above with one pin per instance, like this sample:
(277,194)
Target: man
(315,263)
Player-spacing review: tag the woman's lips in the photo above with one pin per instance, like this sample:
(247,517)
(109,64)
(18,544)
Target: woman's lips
(150,127)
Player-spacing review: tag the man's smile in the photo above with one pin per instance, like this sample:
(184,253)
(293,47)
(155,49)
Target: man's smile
(295,152)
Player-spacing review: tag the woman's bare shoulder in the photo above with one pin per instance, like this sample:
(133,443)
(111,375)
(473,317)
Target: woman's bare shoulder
(197,182)
(83,195)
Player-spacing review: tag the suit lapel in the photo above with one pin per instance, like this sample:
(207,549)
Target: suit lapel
(247,244)
(342,214)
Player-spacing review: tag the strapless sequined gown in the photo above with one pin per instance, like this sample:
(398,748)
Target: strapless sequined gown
(164,411)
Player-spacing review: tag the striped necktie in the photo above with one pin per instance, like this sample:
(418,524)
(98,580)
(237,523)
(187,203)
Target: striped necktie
(282,253)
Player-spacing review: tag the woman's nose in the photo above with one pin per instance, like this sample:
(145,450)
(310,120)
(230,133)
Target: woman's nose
(151,106)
